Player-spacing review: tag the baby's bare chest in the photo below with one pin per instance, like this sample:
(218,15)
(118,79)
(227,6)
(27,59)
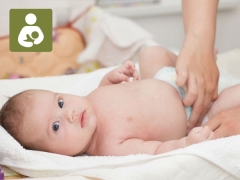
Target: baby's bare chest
(141,110)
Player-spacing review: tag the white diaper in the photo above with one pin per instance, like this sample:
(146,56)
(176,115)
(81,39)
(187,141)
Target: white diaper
(168,74)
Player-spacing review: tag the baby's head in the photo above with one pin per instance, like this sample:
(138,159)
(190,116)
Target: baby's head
(12,114)
(48,121)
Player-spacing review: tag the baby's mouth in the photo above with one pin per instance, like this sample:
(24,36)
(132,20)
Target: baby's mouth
(82,118)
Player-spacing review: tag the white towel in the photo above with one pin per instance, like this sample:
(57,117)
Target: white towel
(225,153)
(199,161)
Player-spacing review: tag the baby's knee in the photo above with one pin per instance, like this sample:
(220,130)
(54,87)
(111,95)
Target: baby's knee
(153,51)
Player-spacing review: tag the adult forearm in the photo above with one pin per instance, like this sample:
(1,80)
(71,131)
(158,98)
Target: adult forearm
(199,18)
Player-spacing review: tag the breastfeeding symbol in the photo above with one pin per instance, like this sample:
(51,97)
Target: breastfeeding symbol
(30,35)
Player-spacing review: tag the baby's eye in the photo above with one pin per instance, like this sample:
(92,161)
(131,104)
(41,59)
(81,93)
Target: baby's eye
(55,126)
(60,103)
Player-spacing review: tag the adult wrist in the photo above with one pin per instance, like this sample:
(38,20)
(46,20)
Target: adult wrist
(194,43)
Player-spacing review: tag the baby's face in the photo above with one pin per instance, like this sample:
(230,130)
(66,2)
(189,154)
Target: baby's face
(59,123)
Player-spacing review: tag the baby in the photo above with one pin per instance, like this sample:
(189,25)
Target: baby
(142,116)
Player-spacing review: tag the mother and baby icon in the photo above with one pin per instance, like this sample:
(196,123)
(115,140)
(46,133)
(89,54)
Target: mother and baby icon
(30,35)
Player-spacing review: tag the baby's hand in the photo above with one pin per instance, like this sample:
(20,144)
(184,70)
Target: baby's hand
(199,134)
(128,69)
(124,72)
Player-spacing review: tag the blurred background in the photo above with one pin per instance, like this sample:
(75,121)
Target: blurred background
(164,21)
(160,18)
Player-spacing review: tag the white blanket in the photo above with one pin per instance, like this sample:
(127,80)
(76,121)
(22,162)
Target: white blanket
(116,37)
(217,159)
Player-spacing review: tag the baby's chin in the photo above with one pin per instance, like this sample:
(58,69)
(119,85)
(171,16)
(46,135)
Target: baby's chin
(91,126)
(91,119)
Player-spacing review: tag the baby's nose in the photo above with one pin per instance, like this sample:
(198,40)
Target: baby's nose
(70,116)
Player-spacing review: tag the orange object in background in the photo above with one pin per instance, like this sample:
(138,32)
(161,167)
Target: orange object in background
(68,43)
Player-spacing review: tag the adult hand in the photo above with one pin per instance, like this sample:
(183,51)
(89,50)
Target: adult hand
(198,72)
(196,67)
(225,123)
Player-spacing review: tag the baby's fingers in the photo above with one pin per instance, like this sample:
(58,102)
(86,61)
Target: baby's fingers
(130,70)
(122,77)
(207,133)
(129,66)
(211,136)
(135,75)
(196,130)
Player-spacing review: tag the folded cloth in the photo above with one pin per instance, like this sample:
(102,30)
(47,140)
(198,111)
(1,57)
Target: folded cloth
(108,36)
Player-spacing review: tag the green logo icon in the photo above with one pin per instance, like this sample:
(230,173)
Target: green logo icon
(30,30)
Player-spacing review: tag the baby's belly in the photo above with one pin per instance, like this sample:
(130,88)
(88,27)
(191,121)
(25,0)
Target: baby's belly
(147,109)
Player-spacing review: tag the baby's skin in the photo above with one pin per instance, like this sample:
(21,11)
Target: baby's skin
(143,116)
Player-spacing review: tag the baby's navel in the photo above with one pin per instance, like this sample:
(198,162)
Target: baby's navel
(129,119)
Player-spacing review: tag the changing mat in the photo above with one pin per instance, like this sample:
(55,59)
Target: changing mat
(217,159)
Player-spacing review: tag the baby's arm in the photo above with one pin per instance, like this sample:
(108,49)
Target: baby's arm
(120,74)
(139,146)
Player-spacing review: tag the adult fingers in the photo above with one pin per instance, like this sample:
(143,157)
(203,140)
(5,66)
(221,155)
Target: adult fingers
(182,76)
(221,125)
(215,94)
(207,101)
(211,94)
(192,91)
(213,124)
(218,133)
(195,95)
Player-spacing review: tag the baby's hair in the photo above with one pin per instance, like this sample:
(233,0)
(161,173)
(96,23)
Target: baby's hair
(12,113)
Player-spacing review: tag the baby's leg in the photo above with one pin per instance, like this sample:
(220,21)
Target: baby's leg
(229,98)
(154,58)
